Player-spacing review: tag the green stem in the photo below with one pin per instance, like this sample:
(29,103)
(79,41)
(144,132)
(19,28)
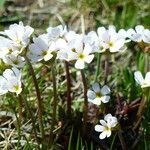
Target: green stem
(39,99)
(85,99)
(68,87)
(146,63)
(111,147)
(32,118)
(98,67)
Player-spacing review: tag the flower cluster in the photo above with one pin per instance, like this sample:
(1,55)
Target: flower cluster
(18,43)
(13,44)
(97,95)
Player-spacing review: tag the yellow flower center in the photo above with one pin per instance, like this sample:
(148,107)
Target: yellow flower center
(44,52)
(18,41)
(81,56)
(110,44)
(101,47)
(16,62)
(16,87)
(106,128)
(98,95)
(73,50)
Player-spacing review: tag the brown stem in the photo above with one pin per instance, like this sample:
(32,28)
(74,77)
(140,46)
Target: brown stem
(140,113)
(20,108)
(54,104)
(38,94)
(123,144)
(85,99)
(106,69)
(68,87)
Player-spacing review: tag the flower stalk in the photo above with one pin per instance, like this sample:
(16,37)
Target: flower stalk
(68,87)
(85,99)
(39,99)
(54,103)
(98,67)
(31,116)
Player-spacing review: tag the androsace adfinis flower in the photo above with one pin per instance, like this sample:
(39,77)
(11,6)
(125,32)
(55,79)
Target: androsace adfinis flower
(10,81)
(98,95)
(146,37)
(106,39)
(143,82)
(139,34)
(106,126)
(15,61)
(41,49)
(19,35)
(81,53)
(6,47)
(56,32)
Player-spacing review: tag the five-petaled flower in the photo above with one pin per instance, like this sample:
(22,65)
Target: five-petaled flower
(106,126)
(98,95)
(10,81)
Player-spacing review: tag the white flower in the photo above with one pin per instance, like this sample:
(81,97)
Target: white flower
(111,120)
(106,39)
(19,35)
(139,34)
(141,81)
(41,49)
(56,32)
(3,86)
(10,81)
(146,36)
(98,95)
(80,52)
(71,35)
(5,47)
(15,61)
(68,44)
(106,126)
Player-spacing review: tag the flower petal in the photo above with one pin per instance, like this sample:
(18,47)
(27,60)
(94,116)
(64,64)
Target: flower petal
(103,135)
(99,128)
(79,64)
(138,77)
(91,95)
(103,122)
(105,90)
(89,58)
(108,133)
(96,87)
(105,99)
(96,101)
(147,77)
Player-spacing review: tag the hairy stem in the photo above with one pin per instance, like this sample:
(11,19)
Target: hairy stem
(68,87)
(123,144)
(20,107)
(39,99)
(54,103)
(106,69)
(85,99)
